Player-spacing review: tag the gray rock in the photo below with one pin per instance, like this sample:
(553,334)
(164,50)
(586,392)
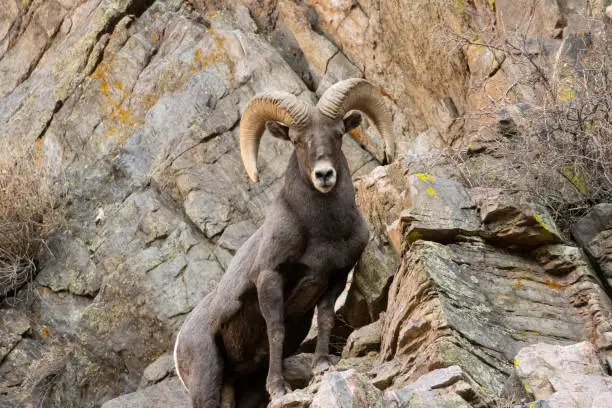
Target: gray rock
(385,373)
(511,221)
(363,340)
(568,375)
(297,370)
(425,392)
(13,325)
(363,365)
(157,371)
(346,389)
(423,399)
(593,232)
(168,393)
(137,105)
(489,316)
(559,259)
(71,268)
(440,209)
(440,378)
(295,399)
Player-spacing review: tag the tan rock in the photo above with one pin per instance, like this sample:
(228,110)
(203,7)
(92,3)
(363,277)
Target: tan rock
(317,49)
(568,375)
(295,399)
(444,310)
(363,340)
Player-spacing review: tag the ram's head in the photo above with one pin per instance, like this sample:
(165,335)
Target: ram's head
(315,131)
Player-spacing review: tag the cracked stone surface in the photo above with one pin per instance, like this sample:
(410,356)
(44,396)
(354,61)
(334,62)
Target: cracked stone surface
(137,103)
(565,376)
(469,293)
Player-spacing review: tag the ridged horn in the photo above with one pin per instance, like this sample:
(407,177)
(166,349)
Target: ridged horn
(359,94)
(271,105)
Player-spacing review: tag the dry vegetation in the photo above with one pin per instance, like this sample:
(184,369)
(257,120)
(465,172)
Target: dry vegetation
(559,152)
(29,212)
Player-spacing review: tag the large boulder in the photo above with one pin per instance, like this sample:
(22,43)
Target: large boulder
(482,275)
(168,393)
(566,376)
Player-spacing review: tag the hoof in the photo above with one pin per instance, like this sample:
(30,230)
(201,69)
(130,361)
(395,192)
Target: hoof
(278,388)
(320,365)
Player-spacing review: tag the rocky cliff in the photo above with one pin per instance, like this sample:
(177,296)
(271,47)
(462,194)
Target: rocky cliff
(467,295)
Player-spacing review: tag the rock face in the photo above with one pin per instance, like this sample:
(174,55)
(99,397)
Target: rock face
(569,376)
(399,45)
(468,292)
(136,104)
(594,234)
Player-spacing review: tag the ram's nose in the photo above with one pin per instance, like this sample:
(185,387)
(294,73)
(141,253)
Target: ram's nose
(324,177)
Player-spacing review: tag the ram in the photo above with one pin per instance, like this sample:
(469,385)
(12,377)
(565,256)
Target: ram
(299,258)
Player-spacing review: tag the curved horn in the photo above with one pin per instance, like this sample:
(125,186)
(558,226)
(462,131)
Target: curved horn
(359,94)
(273,105)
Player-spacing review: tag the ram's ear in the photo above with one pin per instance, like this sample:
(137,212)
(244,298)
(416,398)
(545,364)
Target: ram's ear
(352,121)
(278,130)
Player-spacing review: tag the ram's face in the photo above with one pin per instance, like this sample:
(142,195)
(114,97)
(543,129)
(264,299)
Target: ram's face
(318,147)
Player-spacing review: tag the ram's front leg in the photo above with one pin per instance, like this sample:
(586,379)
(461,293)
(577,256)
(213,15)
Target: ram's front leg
(326,317)
(271,304)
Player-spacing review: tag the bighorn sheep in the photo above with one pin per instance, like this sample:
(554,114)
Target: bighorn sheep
(299,258)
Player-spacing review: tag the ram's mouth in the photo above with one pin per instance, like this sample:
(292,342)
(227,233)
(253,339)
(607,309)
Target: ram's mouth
(324,188)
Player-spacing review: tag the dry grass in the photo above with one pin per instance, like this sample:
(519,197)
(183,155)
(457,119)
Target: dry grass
(560,154)
(29,212)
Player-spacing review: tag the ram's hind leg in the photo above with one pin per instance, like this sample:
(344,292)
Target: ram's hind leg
(205,384)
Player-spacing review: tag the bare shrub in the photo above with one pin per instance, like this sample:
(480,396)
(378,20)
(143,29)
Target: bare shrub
(29,212)
(560,152)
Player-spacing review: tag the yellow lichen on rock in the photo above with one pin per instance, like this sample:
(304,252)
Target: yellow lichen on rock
(201,60)
(540,221)
(426,177)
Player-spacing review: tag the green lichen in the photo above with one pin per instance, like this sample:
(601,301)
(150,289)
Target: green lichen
(576,177)
(413,236)
(540,221)
(485,235)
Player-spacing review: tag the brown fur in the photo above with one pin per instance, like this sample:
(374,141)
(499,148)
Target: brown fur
(298,259)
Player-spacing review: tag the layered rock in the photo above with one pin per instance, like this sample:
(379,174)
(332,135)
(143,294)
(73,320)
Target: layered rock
(472,290)
(137,102)
(484,278)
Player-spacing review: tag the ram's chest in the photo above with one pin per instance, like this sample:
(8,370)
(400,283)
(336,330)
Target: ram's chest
(329,256)
(338,246)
